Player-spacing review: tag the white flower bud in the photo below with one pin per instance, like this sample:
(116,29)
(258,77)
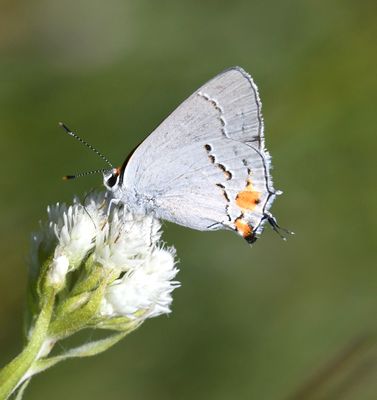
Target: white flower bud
(126,240)
(126,246)
(146,288)
(58,270)
(76,232)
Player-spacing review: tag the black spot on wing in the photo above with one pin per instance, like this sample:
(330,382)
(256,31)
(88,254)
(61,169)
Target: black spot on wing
(224,191)
(228,174)
(212,158)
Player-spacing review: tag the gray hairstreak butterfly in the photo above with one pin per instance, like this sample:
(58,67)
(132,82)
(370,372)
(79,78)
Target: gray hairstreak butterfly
(205,166)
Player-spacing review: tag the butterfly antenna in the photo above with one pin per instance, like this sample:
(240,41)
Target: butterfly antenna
(97,171)
(89,146)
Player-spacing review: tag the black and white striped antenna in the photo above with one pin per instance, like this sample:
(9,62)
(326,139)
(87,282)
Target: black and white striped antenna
(89,146)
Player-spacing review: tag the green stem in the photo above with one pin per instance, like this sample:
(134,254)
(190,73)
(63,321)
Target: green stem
(13,373)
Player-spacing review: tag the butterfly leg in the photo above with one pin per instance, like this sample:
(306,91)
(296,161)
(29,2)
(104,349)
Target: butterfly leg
(215,226)
(275,226)
(111,202)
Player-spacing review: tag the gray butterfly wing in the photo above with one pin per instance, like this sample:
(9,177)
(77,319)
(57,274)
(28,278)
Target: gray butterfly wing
(205,166)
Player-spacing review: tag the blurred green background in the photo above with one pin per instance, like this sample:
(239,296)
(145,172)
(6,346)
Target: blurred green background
(281,320)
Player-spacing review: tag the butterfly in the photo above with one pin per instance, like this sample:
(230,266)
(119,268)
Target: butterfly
(205,166)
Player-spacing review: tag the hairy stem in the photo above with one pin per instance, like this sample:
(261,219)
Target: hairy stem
(12,375)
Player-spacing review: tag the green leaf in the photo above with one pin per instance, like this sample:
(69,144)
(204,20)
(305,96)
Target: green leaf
(20,391)
(71,304)
(86,350)
(116,324)
(66,324)
(90,278)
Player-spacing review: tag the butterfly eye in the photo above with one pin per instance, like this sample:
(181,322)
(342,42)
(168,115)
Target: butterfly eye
(112,180)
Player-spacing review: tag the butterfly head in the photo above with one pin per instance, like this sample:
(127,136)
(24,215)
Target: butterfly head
(111,179)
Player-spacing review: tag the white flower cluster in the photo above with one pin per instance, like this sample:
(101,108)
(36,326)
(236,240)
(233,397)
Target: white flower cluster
(127,246)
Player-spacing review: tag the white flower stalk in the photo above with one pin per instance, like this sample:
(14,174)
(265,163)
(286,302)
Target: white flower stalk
(90,267)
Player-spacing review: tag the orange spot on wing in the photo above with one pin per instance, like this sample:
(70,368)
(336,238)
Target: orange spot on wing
(248,198)
(243,228)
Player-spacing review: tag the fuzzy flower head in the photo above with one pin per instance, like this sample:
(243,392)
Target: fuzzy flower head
(107,257)
(143,291)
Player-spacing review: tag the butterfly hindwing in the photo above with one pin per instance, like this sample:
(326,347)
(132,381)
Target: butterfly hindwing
(205,166)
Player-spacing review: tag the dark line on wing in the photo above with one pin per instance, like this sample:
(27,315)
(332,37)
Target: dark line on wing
(227,213)
(224,191)
(218,108)
(228,174)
